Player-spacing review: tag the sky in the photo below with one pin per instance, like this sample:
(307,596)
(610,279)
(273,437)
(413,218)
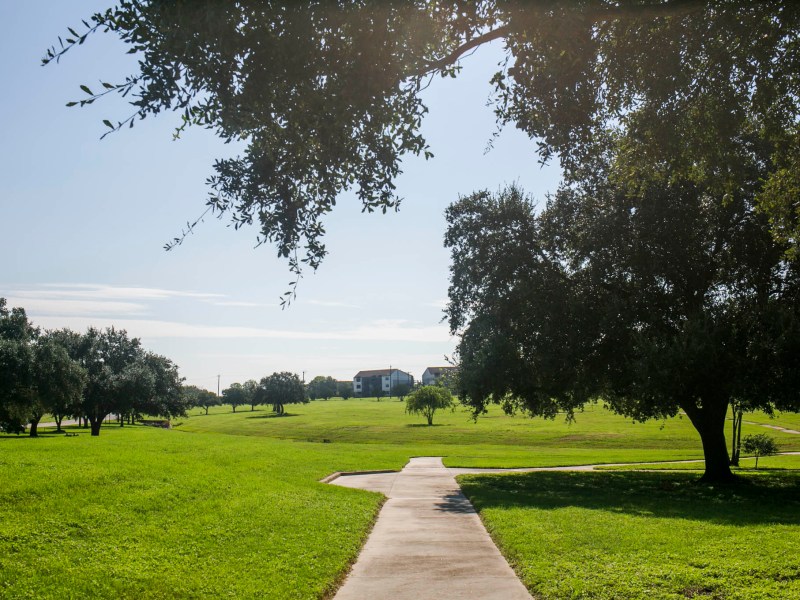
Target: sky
(83,223)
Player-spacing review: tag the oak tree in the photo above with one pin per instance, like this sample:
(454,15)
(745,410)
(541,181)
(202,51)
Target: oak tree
(327,97)
(322,387)
(283,388)
(235,395)
(655,301)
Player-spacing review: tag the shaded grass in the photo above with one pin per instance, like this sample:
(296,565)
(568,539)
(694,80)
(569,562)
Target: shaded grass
(644,535)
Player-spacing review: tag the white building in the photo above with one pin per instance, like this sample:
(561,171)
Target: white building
(433,374)
(380,382)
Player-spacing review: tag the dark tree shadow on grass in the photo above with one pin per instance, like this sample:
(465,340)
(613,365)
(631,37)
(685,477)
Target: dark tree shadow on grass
(272,416)
(46,434)
(768,498)
(425,425)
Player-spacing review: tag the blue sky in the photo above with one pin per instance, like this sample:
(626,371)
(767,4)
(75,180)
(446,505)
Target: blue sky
(84,222)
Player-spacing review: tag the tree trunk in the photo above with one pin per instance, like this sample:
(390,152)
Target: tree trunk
(710,424)
(96,423)
(234,407)
(58,419)
(34,431)
(735,439)
(121,420)
(739,438)
(206,409)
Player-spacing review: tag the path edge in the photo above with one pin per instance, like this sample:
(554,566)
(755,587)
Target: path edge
(338,474)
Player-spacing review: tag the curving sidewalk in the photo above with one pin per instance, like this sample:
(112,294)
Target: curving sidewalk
(428,542)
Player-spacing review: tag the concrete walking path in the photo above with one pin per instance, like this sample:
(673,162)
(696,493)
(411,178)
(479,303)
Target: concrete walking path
(428,542)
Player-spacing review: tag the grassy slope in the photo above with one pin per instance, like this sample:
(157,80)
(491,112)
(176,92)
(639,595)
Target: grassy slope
(645,535)
(142,512)
(784,419)
(495,440)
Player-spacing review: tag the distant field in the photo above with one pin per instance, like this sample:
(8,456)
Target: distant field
(783,419)
(495,440)
(230,505)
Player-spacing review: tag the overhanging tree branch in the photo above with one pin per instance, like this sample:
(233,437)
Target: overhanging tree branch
(598,13)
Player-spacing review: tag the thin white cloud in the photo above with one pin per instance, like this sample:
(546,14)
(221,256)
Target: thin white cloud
(437,303)
(377,331)
(109,292)
(93,300)
(237,303)
(332,304)
(76,307)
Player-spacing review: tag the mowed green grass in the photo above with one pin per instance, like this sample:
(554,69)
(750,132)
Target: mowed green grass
(747,465)
(148,513)
(230,504)
(494,440)
(613,535)
(787,420)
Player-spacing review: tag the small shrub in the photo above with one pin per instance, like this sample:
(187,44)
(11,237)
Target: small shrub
(427,400)
(759,445)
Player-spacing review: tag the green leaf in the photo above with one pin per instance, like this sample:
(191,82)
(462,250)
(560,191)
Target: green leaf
(108,124)
(87,90)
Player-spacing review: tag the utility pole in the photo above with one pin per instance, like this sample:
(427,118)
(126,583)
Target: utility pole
(304,376)
(217,386)
(390,381)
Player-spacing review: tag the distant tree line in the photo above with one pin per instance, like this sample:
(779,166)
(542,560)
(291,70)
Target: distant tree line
(276,391)
(87,376)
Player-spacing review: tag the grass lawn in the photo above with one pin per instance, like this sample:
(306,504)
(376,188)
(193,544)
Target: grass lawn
(783,419)
(141,512)
(746,465)
(495,440)
(230,505)
(628,535)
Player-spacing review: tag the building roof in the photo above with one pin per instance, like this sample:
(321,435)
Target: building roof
(439,370)
(378,373)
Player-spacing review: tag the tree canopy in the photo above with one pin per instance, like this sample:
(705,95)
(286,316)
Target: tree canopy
(235,395)
(16,367)
(427,400)
(57,385)
(322,387)
(655,301)
(200,397)
(89,375)
(283,388)
(327,97)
